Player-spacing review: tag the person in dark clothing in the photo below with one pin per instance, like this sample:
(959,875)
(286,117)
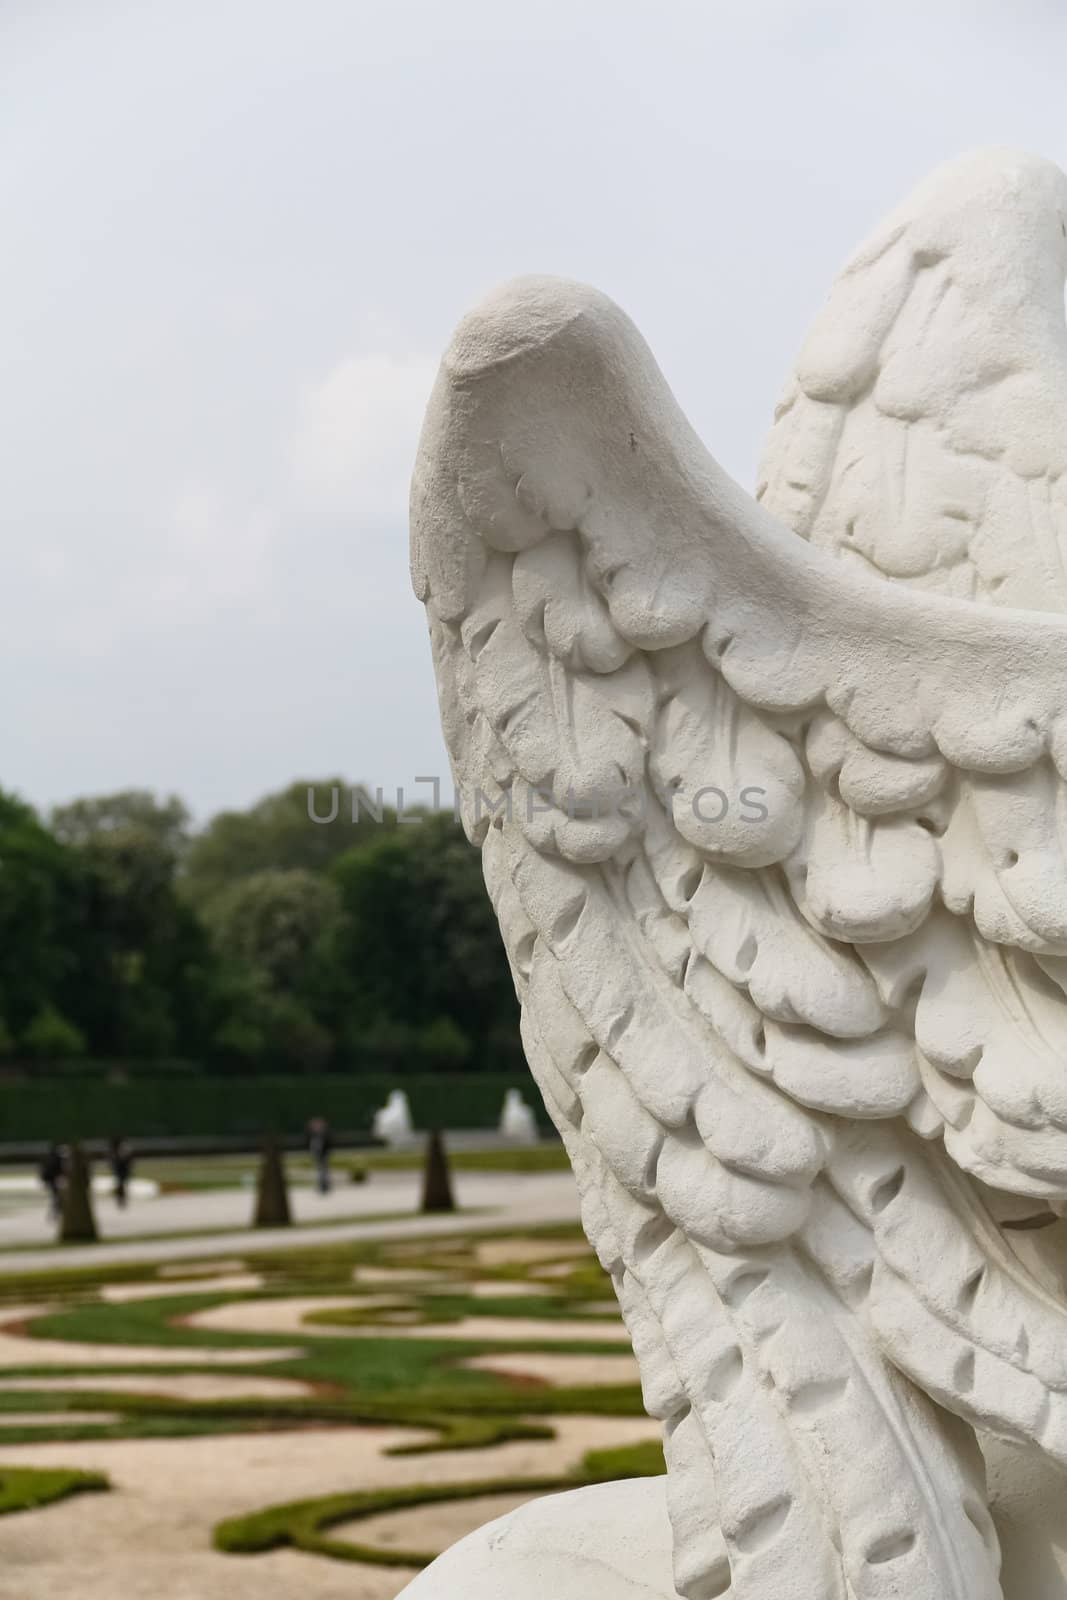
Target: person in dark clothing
(52,1172)
(120,1157)
(320,1144)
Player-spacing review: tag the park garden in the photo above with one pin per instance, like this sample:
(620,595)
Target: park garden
(307,1409)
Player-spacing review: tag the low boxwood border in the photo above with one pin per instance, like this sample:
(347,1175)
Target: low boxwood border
(27,1488)
(304,1524)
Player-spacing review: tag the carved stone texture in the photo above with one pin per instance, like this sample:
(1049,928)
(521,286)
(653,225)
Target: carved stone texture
(774,828)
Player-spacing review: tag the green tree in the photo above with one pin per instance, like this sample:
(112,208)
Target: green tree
(442,1043)
(129,811)
(272,921)
(296,828)
(269,940)
(50,1037)
(41,900)
(419,944)
(143,976)
(272,932)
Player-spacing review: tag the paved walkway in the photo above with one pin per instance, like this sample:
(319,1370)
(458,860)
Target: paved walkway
(216,1222)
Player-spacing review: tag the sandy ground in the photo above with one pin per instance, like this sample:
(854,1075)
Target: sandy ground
(193,1210)
(432,1527)
(488,1200)
(515,1252)
(170,1385)
(213,1269)
(561,1371)
(395,1277)
(25,1188)
(225,1283)
(57,1419)
(506,1289)
(150,1538)
(398,1277)
(503,1288)
(289,1316)
(18,1351)
(598,1329)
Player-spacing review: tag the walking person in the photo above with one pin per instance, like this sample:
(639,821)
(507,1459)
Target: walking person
(51,1173)
(320,1144)
(120,1157)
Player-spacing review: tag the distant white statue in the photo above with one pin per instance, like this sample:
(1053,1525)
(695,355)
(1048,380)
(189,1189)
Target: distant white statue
(392,1122)
(517,1121)
(771,800)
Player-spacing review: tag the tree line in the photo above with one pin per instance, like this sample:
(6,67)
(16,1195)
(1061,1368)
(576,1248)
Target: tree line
(264,941)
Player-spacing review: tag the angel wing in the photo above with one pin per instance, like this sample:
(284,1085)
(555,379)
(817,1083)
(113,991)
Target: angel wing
(922,434)
(776,851)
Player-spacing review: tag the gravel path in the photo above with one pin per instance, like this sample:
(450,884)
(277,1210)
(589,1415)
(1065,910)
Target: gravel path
(490,1200)
(289,1316)
(150,1537)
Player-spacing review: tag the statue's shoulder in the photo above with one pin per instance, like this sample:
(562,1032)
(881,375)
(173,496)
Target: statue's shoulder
(612,1540)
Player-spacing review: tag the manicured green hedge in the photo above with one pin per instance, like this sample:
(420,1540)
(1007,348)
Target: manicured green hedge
(92,1108)
(305,1524)
(26,1488)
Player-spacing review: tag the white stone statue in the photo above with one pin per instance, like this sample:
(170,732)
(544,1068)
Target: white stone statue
(771,798)
(517,1121)
(392,1122)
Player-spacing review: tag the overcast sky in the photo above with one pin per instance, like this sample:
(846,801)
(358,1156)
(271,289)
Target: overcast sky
(235,237)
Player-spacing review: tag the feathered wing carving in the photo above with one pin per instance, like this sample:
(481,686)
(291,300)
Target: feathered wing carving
(776,850)
(923,433)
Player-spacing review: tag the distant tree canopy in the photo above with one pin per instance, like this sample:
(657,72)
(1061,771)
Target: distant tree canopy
(419,945)
(130,812)
(42,904)
(282,831)
(286,937)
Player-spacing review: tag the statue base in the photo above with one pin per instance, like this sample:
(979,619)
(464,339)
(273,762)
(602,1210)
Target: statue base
(614,1541)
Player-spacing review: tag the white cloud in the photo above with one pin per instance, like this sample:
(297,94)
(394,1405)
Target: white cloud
(215,552)
(208,534)
(356,433)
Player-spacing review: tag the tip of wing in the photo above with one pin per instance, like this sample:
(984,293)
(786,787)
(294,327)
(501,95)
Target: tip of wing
(992,170)
(956,202)
(519,316)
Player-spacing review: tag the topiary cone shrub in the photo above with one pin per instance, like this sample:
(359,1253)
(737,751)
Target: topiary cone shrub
(436,1178)
(272,1196)
(77,1225)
